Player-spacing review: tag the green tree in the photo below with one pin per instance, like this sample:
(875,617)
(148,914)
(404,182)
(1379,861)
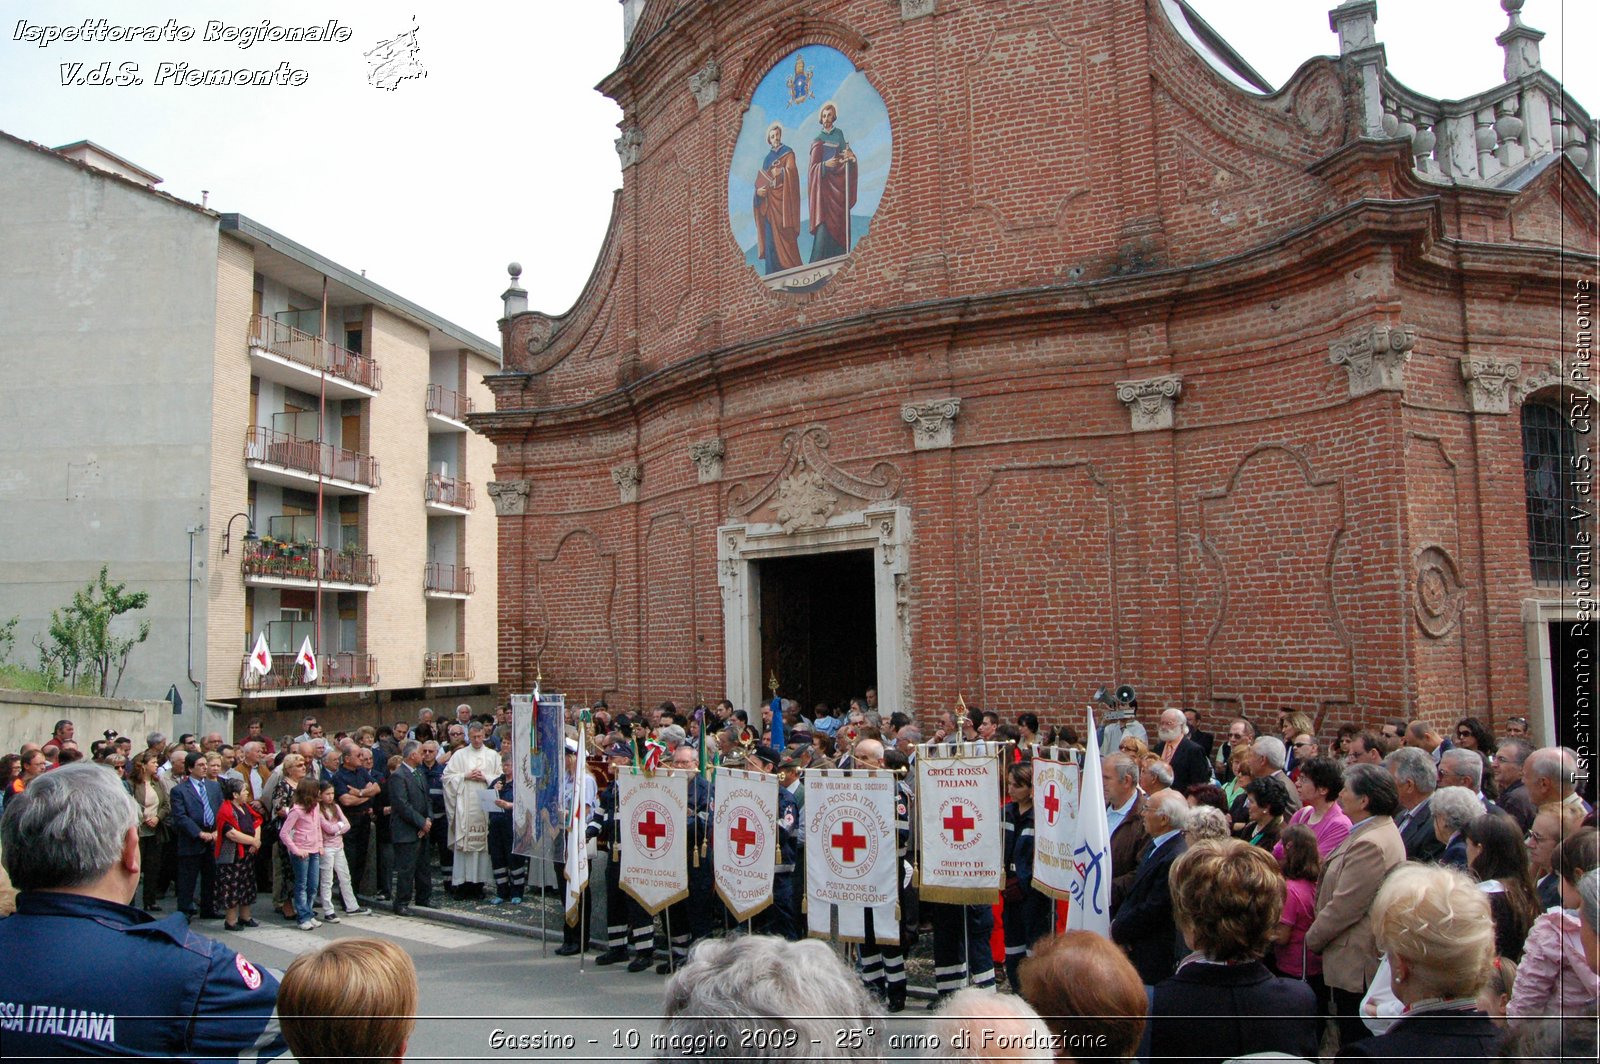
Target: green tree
(81,646)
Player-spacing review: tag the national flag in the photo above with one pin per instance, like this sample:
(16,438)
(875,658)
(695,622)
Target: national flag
(654,753)
(777,724)
(261,657)
(1091,857)
(307,660)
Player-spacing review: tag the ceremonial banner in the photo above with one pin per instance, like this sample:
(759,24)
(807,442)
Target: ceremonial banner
(746,848)
(538,732)
(577,847)
(653,810)
(959,824)
(1055,822)
(1091,854)
(852,863)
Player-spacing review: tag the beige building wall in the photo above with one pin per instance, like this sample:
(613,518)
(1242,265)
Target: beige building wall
(223,575)
(482,553)
(397,523)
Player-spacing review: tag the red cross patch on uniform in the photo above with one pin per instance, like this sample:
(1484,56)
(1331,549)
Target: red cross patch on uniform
(247,971)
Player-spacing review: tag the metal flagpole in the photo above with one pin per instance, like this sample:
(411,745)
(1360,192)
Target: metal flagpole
(671,967)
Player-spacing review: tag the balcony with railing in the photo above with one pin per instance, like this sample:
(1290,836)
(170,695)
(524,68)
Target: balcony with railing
(447,410)
(288,563)
(343,670)
(446,581)
(296,462)
(447,495)
(280,352)
(441,667)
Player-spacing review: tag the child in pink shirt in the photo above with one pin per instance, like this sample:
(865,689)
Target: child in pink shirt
(301,835)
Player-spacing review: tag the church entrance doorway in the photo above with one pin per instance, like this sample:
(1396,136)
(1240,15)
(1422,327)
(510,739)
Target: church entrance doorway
(819,625)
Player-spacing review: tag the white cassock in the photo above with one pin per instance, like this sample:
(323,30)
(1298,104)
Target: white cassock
(469,824)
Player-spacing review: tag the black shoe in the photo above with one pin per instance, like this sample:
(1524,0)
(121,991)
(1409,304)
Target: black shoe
(664,968)
(641,962)
(402,910)
(568,950)
(896,1006)
(612,956)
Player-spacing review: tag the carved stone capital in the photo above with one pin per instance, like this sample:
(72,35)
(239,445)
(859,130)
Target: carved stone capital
(627,478)
(932,422)
(910,9)
(510,496)
(1376,358)
(705,83)
(1150,401)
(629,146)
(1489,383)
(707,458)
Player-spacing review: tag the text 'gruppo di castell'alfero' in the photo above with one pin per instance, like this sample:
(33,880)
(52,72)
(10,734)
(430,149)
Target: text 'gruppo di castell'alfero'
(168,72)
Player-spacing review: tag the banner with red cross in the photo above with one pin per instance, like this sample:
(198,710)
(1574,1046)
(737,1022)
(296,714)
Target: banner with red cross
(959,825)
(653,814)
(852,862)
(744,852)
(1056,779)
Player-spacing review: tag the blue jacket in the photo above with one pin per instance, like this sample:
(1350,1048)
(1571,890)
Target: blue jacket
(118,982)
(188,816)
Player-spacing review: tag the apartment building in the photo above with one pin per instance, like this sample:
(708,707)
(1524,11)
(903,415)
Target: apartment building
(264,440)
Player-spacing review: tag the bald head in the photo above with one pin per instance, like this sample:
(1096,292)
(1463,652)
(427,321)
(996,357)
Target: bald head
(869,753)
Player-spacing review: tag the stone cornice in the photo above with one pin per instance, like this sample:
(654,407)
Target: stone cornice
(1299,256)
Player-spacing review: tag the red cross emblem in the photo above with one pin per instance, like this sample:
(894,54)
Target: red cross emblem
(847,842)
(741,835)
(652,829)
(1052,804)
(959,823)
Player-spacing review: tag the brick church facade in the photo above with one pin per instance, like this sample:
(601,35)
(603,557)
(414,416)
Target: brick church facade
(1142,372)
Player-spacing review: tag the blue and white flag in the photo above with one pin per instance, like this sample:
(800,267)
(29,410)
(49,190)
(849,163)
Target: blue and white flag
(1091,856)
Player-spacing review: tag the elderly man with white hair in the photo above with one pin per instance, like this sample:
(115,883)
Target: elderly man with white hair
(978,1025)
(1415,778)
(1453,809)
(1144,924)
(1551,775)
(1187,758)
(1268,755)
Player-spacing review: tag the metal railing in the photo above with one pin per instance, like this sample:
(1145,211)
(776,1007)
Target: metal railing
(302,561)
(439,667)
(310,457)
(453,579)
(447,403)
(448,491)
(337,670)
(313,352)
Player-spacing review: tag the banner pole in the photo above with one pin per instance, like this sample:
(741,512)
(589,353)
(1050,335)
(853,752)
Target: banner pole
(671,966)
(544,910)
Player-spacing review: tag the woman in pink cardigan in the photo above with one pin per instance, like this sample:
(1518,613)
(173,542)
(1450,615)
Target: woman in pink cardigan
(1553,978)
(301,835)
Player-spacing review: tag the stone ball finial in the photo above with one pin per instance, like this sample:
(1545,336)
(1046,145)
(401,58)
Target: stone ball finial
(515,270)
(1514,9)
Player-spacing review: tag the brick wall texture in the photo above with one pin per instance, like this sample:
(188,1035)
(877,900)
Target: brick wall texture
(1075,199)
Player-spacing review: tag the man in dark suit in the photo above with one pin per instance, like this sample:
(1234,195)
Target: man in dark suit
(1125,816)
(1202,739)
(1415,778)
(410,824)
(1188,761)
(1144,926)
(195,803)
(1514,797)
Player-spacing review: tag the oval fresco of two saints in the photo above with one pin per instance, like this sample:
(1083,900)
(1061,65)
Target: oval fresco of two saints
(809,168)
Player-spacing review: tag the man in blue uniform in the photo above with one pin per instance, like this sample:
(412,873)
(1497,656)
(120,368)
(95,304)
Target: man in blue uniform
(139,986)
(626,921)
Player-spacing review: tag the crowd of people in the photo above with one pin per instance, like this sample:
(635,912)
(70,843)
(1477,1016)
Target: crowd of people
(1392,892)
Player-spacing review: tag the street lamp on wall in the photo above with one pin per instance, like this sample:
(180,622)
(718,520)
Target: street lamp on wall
(250,537)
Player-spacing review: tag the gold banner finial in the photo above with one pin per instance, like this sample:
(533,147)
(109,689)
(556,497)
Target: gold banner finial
(772,682)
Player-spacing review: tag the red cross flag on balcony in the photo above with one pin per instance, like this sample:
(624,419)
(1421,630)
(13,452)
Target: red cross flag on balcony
(307,660)
(1056,784)
(852,862)
(744,852)
(654,813)
(959,790)
(261,657)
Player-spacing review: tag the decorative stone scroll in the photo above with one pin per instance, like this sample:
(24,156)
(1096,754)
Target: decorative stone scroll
(707,458)
(1150,402)
(1489,383)
(705,83)
(1376,358)
(629,146)
(910,9)
(932,422)
(627,478)
(510,497)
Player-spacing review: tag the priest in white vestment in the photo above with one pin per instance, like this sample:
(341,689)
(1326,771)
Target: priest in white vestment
(466,778)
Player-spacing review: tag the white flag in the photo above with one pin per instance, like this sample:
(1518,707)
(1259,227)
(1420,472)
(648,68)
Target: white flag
(745,853)
(1091,858)
(261,657)
(577,850)
(307,660)
(852,862)
(1056,790)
